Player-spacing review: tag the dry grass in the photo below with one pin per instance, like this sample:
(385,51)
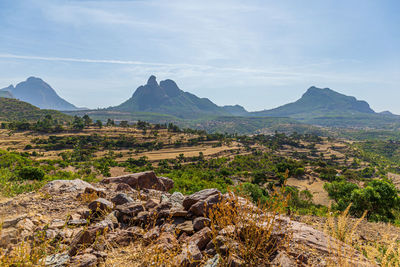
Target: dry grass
(252,233)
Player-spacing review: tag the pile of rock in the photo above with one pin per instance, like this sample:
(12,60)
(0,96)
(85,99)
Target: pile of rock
(138,207)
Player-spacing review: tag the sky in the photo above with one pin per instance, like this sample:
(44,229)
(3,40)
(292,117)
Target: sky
(256,53)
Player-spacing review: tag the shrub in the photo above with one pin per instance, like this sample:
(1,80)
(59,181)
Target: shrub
(31,173)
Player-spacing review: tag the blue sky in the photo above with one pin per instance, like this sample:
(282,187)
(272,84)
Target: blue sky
(259,54)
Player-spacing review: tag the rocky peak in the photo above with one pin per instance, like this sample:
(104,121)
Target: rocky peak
(152,81)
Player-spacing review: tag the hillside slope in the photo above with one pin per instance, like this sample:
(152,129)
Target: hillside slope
(13,109)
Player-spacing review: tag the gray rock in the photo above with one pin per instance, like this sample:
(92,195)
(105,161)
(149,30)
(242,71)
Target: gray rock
(201,195)
(57,260)
(66,186)
(213,262)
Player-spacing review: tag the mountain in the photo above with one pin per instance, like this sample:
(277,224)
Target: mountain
(38,93)
(167,98)
(16,110)
(235,110)
(319,102)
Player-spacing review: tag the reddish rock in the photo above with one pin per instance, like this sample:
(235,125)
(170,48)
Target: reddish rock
(167,183)
(186,227)
(200,238)
(202,207)
(200,222)
(142,180)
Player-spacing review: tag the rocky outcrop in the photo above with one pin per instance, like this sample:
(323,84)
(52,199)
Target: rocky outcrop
(160,221)
(143,180)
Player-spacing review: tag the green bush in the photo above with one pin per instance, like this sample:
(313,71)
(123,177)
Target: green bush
(31,173)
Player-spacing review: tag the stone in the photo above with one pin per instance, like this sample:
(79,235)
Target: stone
(66,186)
(57,224)
(85,260)
(12,222)
(282,260)
(150,204)
(202,207)
(123,187)
(189,257)
(213,262)
(151,235)
(8,236)
(167,183)
(186,227)
(201,238)
(57,260)
(177,198)
(84,238)
(25,224)
(130,209)
(124,237)
(77,223)
(196,197)
(142,180)
(200,222)
(100,205)
(121,199)
(235,261)
(93,190)
(166,240)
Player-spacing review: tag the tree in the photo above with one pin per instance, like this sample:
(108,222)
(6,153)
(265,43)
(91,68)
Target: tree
(87,120)
(99,124)
(379,197)
(124,124)
(110,122)
(78,123)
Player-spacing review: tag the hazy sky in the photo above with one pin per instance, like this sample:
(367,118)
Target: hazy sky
(259,54)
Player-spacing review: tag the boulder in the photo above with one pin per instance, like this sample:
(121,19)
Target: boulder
(201,195)
(186,227)
(85,260)
(130,209)
(201,238)
(200,222)
(282,260)
(142,180)
(167,183)
(66,186)
(121,199)
(93,190)
(101,205)
(202,207)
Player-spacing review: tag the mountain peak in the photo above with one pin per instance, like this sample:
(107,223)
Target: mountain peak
(38,93)
(152,81)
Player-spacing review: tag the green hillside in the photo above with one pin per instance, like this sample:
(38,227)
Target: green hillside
(13,109)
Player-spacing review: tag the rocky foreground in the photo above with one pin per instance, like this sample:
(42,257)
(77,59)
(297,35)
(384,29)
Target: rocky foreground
(132,220)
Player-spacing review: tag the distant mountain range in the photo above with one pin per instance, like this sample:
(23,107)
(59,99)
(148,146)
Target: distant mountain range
(166,102)
(38,93)
(167,98)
